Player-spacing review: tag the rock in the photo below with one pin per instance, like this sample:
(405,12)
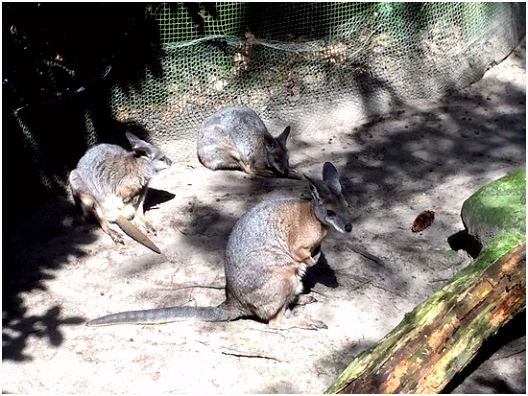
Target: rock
(498,206)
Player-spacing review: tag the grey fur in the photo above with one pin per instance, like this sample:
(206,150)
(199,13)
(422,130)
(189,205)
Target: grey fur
(110,182)
(235,138)
(267,254)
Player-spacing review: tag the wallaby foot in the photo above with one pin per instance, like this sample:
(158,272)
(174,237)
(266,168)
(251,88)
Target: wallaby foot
(304,299)
(116,236)
(280,322)
(296,323)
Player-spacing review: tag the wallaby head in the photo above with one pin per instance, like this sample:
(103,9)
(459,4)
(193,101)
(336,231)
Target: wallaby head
(277,153)
(155,156)
(331,208)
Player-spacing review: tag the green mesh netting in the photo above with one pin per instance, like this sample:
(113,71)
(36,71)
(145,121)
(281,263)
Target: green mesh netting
(292,61)
(315,63)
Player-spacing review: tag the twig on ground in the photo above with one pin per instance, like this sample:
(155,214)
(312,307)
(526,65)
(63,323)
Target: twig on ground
(366,254)
(254,355)
(218,287)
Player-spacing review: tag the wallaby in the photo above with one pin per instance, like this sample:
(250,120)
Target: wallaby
(235,138)
(111,184)
(267,254)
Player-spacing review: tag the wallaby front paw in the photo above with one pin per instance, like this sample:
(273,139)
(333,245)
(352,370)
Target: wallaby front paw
(145,226)
(316,324)
(295,174)
(310,261)
(150,229)
(117,238)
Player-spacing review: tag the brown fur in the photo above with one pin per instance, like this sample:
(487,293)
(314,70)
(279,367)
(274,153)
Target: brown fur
(304,232)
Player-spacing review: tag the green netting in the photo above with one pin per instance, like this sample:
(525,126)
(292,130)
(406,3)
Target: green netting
(290,61)
(308,64)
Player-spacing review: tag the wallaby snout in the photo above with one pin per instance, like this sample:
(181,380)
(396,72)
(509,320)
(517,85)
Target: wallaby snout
(162,163)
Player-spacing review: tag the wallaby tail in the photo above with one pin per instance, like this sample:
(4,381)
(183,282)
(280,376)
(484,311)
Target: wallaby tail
(164,315)
(135,234)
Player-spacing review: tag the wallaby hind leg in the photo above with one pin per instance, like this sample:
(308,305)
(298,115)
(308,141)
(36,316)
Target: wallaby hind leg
(274,302)
(139,216)
(89,206)
(106,226)
(214,158)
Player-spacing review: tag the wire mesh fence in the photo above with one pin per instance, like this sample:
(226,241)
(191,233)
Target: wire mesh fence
(179,62)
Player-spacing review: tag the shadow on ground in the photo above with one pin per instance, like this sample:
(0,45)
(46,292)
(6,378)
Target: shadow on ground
(31,255)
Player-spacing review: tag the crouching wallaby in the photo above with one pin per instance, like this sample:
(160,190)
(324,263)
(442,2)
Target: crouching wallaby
(235,138)
(111,183)
(267,254)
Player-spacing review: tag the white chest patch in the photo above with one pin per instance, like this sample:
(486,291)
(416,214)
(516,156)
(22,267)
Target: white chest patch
(300,273)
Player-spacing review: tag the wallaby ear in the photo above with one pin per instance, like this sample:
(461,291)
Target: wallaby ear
(133,139)
(330,177)
(283,136)
(138,145)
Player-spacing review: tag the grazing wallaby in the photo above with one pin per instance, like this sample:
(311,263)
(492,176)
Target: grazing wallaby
(111,184)
(235,138)
(267,254)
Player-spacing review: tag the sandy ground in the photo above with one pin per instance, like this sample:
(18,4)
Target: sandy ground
(59,271)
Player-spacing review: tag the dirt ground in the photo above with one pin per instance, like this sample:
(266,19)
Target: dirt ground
(60,272)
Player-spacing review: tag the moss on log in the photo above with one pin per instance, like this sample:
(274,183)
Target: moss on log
(498,206)
(442,334)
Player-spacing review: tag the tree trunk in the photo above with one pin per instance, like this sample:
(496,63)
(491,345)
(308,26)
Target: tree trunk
(442,334)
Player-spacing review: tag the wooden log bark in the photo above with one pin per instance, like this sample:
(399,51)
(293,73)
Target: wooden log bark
(442,334)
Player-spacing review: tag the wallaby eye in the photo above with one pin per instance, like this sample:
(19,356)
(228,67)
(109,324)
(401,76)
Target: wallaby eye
(330,213)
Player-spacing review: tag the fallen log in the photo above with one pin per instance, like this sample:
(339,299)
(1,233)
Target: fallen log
(443,334)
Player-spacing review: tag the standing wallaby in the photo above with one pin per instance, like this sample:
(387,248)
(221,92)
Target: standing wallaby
(111,183)
(267,254)
(235,138)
